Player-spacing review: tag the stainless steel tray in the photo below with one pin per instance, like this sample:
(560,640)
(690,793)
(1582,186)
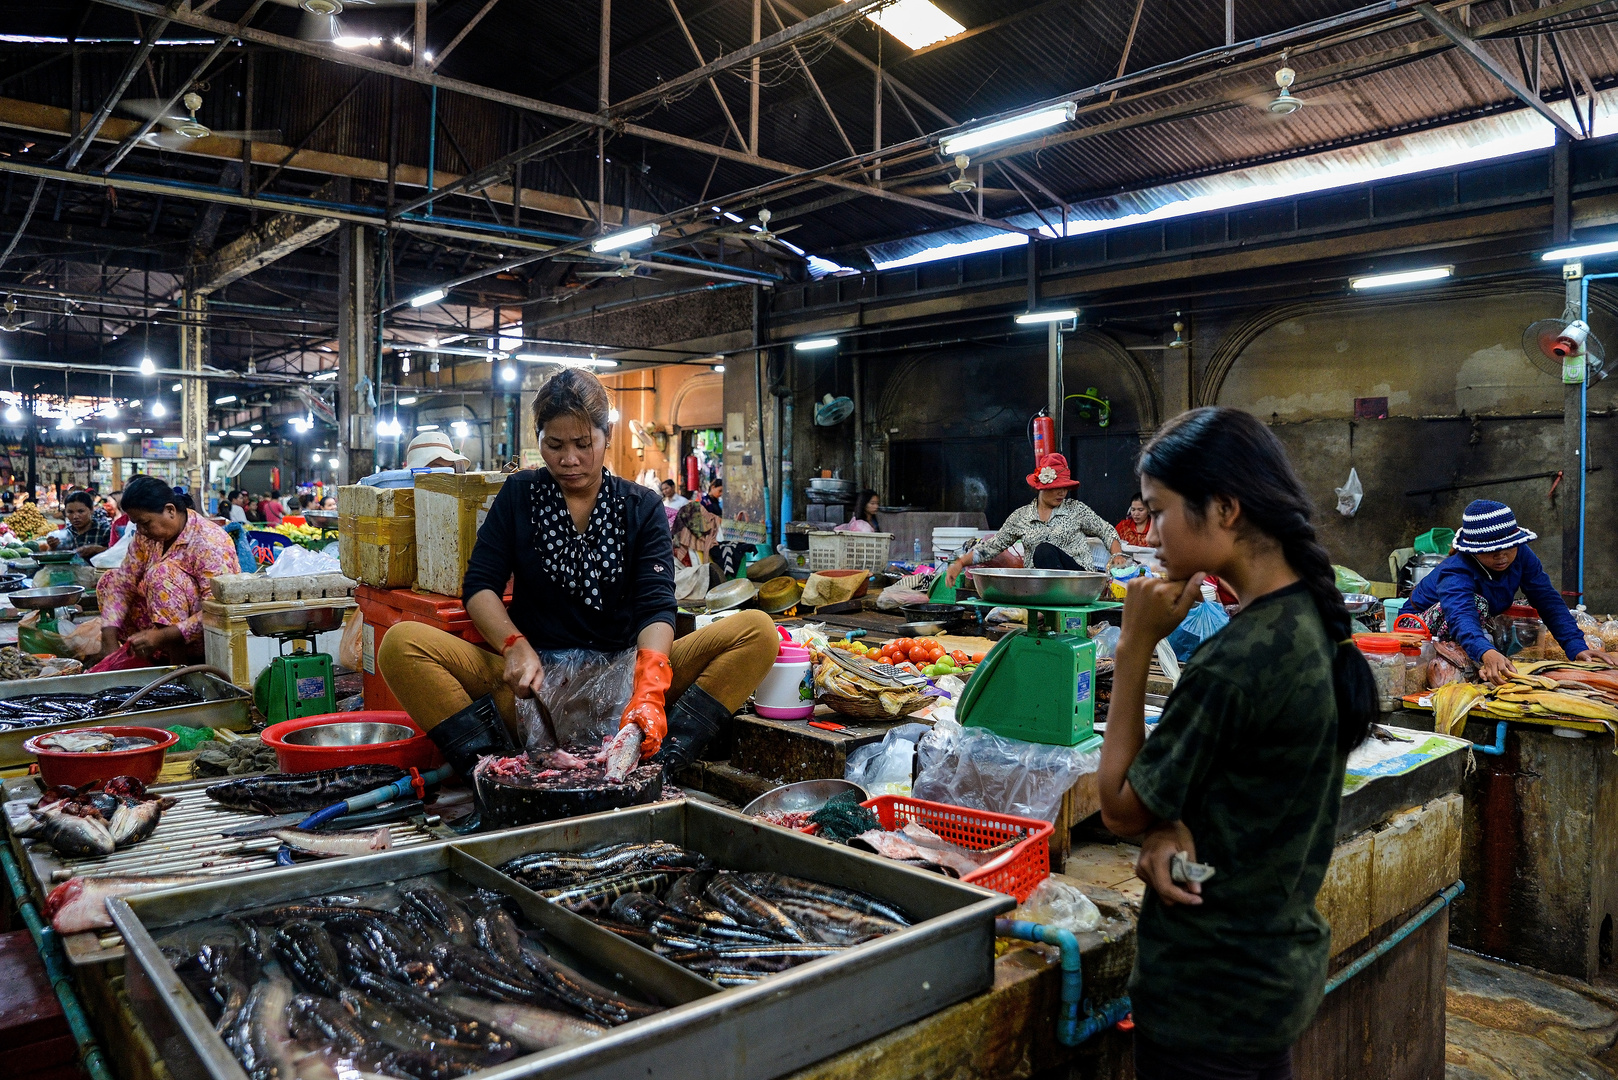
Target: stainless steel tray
(752,1032)
(225,707)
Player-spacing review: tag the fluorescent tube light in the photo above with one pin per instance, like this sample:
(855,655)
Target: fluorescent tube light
(426,427)
(565,361)
(426,298)
(1026,124)
(626,239)
(256,427)
(226,400)
(1581,251)
(240,434)
(814,344)
(917,23)
(720,368)
(411,400)
(324,376)
(1403,277)
(1031,318)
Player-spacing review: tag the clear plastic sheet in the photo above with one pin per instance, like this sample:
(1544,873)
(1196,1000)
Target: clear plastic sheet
(581,701)
(885,768)
(1056,903)
(976,768)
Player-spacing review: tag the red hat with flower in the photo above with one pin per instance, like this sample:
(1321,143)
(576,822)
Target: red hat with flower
(1052,473)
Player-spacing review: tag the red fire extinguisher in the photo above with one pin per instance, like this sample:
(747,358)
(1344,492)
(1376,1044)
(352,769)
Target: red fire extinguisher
(1044,436)
(692,479)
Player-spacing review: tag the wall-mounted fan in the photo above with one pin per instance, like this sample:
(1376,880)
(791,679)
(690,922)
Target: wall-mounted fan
(230,463)
(833,411)
(1554,345)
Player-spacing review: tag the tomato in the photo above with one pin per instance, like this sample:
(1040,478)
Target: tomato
(934,652)
(977,658)
(918,654)
(958,656)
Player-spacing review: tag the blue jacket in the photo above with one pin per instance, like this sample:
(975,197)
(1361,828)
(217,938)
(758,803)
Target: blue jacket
(1456,580)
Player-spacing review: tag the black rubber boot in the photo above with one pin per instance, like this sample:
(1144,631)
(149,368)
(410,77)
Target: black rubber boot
(694,719)
(474,732)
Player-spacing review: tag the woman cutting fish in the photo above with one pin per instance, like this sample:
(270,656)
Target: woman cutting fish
(592,567)
(151,606)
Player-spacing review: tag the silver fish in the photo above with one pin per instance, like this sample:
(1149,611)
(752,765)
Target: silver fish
(623,753)
(134,820)
(344,842)
(80,742)
(529,1027)
(72,834)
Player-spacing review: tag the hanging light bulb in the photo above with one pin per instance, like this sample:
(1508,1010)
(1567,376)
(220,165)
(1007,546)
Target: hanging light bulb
(13,414)
(158,409)
(111,409)
(146,366)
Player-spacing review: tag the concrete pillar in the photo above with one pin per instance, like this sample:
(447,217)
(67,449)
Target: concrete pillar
(194,394)
(356,435)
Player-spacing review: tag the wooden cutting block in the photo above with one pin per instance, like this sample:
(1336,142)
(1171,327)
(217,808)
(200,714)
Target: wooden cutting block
(29,1011)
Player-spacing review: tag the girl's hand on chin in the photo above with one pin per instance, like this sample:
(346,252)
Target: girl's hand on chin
(1153,607)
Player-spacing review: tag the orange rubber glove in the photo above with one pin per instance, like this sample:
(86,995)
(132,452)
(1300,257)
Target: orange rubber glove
(653,674)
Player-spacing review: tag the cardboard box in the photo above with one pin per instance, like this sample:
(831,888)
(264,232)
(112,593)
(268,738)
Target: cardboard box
(449,509)
(376,535)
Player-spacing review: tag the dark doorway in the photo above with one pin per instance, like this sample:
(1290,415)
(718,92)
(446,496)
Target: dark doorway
(991,474)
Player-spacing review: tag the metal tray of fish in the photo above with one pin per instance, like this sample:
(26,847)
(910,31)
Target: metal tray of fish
(753,1032)
(225,705)
(188,840)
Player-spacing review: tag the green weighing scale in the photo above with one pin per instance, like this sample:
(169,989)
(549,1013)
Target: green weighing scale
(1038,684)
(296,683)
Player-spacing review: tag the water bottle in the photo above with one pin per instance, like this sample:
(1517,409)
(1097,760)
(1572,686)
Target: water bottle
(915,548)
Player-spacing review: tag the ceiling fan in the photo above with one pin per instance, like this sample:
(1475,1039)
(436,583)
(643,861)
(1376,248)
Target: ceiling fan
(320,16)
(626,268)
(1285,103)
(761,231)
(961,185)
(1179,342)
(13,320)
(183,129)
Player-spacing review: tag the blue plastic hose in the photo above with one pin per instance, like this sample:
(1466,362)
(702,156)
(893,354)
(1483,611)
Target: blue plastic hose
(1499,746)
(387,793)
(1434,906)
(1071,1030)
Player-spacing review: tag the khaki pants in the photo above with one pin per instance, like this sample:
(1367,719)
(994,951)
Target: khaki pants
(435,674)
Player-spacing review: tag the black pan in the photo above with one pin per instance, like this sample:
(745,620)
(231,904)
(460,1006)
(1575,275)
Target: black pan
(946,615)
(505,805)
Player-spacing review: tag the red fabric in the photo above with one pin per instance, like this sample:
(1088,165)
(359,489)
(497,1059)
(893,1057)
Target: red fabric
(1131,535)
(1225,595)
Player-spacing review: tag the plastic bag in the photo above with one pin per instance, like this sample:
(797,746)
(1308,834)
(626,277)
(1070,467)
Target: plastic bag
(691,582)
(295,561)
(1056,903)
(1350,582)
(1584,620)
(1609,635)
(74,640)
(1106,640)
(894,598)
(114,556)
(581,701)
(350,649)
(976,768)
(885,768)
(1350,494)
(1201,623)
(237,531)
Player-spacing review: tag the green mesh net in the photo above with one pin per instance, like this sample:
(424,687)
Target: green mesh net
(843,818)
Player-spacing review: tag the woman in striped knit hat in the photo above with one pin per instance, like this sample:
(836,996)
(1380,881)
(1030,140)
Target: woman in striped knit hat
(1481,578)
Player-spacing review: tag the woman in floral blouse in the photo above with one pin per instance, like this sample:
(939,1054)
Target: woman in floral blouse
(151,606)
(1052,528)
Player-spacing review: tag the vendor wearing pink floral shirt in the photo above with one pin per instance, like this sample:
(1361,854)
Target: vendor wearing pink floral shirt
(151,606)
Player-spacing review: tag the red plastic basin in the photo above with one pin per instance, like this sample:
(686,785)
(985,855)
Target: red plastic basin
(76,770)
(417,752)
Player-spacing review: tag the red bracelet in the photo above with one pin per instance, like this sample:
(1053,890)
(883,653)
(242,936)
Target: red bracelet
(510,641)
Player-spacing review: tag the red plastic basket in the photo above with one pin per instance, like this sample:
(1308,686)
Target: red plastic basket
(1014,873)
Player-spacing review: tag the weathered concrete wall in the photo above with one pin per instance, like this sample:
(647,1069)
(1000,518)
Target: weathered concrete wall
(1464,406)
(687,318)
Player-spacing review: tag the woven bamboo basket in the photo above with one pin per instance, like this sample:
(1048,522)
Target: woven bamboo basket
(867,707)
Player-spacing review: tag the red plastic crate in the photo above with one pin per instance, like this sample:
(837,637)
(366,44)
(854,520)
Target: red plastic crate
(1016,874)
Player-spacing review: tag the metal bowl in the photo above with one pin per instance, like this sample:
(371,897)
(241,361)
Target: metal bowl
(361,734)
(1039,588)
(308,620)
(55,558)
(804,795)
(57,596)
(1359,603)
(321,519)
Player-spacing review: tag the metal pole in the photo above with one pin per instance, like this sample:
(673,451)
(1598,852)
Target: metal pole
(876,121)
(1053,374)
(603,90)
(752,84)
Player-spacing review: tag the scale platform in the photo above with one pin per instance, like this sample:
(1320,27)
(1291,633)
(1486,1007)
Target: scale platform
(1039,685)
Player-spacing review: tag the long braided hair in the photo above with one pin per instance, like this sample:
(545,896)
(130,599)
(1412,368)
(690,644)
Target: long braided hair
(1211,452)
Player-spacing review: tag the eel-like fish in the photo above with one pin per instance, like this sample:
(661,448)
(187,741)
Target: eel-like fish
(296,792)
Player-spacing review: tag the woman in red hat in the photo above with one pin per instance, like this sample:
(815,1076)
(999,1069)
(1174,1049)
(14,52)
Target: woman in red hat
(1053,528)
